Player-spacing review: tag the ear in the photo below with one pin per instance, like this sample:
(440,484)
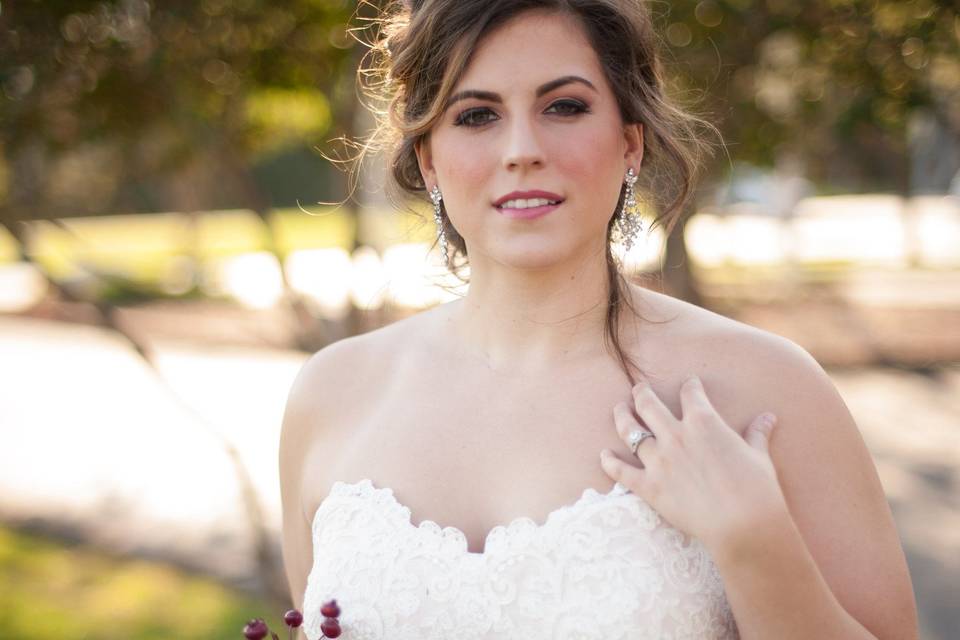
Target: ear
(633,134)
(425,161)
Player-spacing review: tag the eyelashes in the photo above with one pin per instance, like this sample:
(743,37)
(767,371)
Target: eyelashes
(470,117)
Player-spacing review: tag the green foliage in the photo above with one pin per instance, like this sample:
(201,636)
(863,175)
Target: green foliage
(179,92)
(132,105)
(831,80)
(50,590)
(135,256)
(281,118)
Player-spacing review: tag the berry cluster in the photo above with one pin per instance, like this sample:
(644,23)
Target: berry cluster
(257,629)
(330,627)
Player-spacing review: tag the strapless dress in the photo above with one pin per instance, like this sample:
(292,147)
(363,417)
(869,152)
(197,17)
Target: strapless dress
(604,567)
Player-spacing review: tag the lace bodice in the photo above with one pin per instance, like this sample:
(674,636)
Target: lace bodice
(605,567)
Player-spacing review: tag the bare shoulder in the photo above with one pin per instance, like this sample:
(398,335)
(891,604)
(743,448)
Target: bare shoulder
(342,374)
(776,373)
(326,378)
(745,370)
(340,382)
(698,327)
(322,390)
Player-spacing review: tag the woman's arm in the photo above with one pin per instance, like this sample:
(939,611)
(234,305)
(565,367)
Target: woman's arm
(833,566)
(308,418)
(296,538)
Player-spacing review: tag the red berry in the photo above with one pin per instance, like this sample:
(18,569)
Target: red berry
(330,628)
(293,618)
(330,609)
(255,629)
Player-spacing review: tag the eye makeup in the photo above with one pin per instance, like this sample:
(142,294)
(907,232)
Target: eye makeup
(569,107)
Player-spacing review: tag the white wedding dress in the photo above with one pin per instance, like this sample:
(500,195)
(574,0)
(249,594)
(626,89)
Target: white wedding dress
(605,567)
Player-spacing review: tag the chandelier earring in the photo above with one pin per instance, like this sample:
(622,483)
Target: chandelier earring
(436,198)
(628,218)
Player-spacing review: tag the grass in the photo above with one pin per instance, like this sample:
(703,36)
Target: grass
(50,590)
(141,246)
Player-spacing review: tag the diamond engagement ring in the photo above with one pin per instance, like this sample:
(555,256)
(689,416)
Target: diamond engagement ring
(636,437)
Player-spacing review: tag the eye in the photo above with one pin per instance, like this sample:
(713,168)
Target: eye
(570,107)
(469,117)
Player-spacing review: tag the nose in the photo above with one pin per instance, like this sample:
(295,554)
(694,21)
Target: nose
(523,148)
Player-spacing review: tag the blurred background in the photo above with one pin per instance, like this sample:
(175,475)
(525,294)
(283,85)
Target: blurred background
(171,252)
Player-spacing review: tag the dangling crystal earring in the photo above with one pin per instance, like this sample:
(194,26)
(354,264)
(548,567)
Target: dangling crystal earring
(629,223)
(438,218)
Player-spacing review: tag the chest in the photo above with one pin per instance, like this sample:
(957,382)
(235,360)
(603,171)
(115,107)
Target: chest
(473,451)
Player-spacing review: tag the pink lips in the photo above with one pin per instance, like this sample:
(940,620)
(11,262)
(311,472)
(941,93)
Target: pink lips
(529,212)
(532,212)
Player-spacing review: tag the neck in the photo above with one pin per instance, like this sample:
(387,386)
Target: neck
(533,320)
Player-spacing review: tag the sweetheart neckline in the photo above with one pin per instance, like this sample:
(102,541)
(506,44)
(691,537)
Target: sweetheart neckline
(617,489)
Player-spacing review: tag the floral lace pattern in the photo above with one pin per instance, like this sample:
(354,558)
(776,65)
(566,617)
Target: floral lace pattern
(605,567)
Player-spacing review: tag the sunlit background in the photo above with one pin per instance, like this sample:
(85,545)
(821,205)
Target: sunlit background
(177,238)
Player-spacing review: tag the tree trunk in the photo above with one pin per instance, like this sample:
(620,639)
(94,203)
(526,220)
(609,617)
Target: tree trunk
(678,278)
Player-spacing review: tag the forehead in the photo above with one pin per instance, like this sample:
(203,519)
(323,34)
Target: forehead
(530,48)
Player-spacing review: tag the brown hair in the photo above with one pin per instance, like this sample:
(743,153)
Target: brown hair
(420,50)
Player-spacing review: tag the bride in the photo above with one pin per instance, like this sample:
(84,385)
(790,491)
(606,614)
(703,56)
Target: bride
(442,476)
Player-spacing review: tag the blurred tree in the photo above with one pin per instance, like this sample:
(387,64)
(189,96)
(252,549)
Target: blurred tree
(123,105)
(143,97)
(831,82)
(835,80)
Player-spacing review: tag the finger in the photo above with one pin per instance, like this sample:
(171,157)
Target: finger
(626,423)
(628,475)
(658,418)
(693,400)
(758,433)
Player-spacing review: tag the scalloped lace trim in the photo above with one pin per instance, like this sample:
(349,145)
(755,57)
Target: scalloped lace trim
(606,566)
(384,497)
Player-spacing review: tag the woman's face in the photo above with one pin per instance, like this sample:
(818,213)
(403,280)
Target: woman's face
(525,133)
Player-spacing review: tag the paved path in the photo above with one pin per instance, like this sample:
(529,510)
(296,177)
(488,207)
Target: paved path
(94,447)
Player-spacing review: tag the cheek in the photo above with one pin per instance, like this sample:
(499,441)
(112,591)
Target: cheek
(471,172)
(467,174)
(590,162)
(456,150)
(466,182)
(584,163)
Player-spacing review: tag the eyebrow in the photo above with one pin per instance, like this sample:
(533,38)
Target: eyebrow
(495,97)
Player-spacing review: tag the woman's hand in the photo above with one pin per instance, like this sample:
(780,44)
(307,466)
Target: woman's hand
(698,473)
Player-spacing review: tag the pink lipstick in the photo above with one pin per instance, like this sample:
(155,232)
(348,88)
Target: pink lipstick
(528,212)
